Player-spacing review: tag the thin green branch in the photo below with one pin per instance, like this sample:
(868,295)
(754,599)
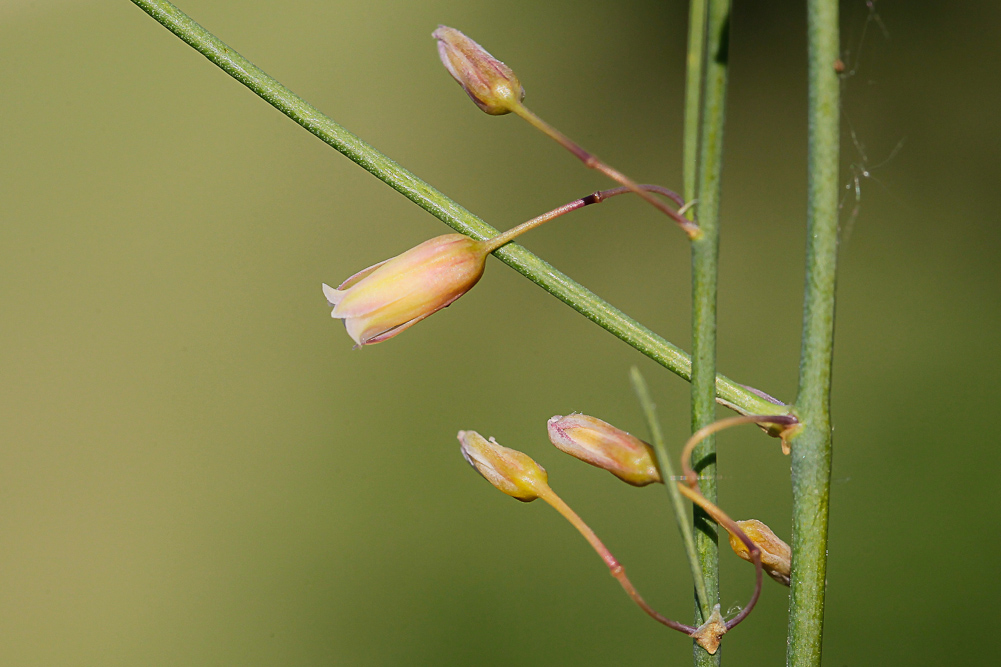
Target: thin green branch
(668,476)
(705,273)
(694,63)
(437,204)
(811,449)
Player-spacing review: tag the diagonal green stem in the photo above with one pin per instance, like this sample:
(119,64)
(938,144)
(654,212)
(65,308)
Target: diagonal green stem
(437,204)
(668,476)
(705,273)
(811,449)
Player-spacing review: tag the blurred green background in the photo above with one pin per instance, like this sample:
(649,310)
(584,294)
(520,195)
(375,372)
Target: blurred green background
(196,468)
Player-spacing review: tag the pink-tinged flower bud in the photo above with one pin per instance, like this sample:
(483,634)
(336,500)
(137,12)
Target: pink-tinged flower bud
(383,300)
(488,82)
(601,444)
(776,556)
(512,472)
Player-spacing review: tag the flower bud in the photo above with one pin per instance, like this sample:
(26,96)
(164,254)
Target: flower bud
(776,556)
(383,300)
(488,82)
(601,444)
(512,472)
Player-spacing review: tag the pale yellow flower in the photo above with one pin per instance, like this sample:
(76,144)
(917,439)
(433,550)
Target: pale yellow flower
(384,300)
(511,471)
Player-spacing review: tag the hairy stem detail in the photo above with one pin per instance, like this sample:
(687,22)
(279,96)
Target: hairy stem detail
(811,448)
(705,272)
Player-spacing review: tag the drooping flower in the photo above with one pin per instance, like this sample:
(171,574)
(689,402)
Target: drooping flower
(599,443)
(511,471)
(384,300)
(488,82)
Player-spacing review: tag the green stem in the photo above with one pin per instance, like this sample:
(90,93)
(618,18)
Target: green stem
(705,272)
(573,294)
(811,449)
(693,94)
(667,475)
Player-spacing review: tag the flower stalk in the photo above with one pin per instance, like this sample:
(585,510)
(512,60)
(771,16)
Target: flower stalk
(592,161)
(520,477)
(614,567)
(496,90)
(594,198)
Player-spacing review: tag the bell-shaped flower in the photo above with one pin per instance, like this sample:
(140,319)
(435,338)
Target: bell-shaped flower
(599,443)
(488,82)
(776,556)
(511,471)
(383,300)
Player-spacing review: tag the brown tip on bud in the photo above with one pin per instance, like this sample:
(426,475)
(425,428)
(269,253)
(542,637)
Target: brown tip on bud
(602,445)
(709,634)
(511,471)
(488,82)
(776,556)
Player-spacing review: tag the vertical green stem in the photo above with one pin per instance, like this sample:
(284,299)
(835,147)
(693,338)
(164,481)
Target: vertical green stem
(811,450)
(705,256)
(693,94)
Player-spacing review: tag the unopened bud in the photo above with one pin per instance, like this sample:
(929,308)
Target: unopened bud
(601,444)
(488,82)
(512,472)
(776,556)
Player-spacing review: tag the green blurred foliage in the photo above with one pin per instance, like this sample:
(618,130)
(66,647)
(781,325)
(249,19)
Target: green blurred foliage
(195,467)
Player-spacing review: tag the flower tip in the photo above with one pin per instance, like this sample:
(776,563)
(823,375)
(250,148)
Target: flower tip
(489,83)
(604,446)
(511,471)
(332,295)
